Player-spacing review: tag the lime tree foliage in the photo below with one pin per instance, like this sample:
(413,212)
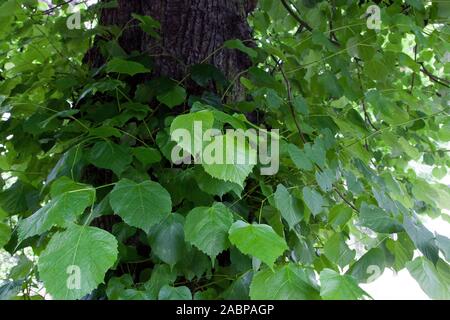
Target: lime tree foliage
(88,182)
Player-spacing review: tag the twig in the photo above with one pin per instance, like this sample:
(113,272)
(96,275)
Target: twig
(414,74)
(296,16)
(333,12)
(304,24)
(345,200)
(363,101)
(433,77)
(289,92)
(48,11)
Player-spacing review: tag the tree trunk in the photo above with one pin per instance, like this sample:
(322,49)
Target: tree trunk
(191,32)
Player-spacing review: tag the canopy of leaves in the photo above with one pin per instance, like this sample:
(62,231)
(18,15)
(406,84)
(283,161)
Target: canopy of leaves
(87,181)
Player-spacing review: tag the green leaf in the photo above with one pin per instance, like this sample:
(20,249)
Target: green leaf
(173,97)
(9,290)
(8,8)
(167,239)
(423,239)
(402,249)
(195,265)
(162,275)
(257,240)
(370,265)
(118,65)
(444,245)
(116,285)
(214,186)
(121,289)
(148,24)
(17,198)
(376,69)
(70,164)
(325,179)
(337,250)
(207,228)
(313,200)
(146,155)
(70,268)
(187,123)
(432,279)
(339,287)
(175,293)
(237,44)
(237,161)
(133,294)
(289,206)
(339,215)
(109,155)
(5,234)
(22,269)
(417,4)
(300,105)
(208,294)
(316,153)
(140,205)
(288,282)
(105,132)
(202,74)
(70,199)
(273,100)
(239,288)
(378,220)
(299,158)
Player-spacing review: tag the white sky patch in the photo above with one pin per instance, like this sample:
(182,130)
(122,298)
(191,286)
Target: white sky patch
(402,286)
(391,286)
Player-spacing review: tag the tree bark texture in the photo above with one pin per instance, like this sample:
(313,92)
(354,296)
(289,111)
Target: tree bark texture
(191,32)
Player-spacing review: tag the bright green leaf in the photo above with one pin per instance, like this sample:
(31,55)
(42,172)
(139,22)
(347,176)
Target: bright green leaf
(207,228)
(70,268)
(140,205)
(258,240)
(339,287)
(288,282)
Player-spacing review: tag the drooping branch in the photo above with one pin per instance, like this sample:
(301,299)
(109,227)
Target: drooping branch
(433,77)
(303,23)
(290,98)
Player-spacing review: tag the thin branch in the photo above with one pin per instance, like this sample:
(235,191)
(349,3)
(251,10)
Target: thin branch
(303,23)
(333,41)
(414,74)
(291,106)
(333,12)
(49,11)
(345,200)
(363,101)
(433,77)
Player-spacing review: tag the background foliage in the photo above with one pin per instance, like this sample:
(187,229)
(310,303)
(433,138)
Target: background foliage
(355,106)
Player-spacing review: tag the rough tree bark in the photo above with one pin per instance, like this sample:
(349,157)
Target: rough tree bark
(191,30)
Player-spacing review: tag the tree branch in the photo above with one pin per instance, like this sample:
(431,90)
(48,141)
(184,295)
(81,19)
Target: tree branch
(414,74)
(345,200)
(433,77)
(363,101)
(289,92)
(304,24)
